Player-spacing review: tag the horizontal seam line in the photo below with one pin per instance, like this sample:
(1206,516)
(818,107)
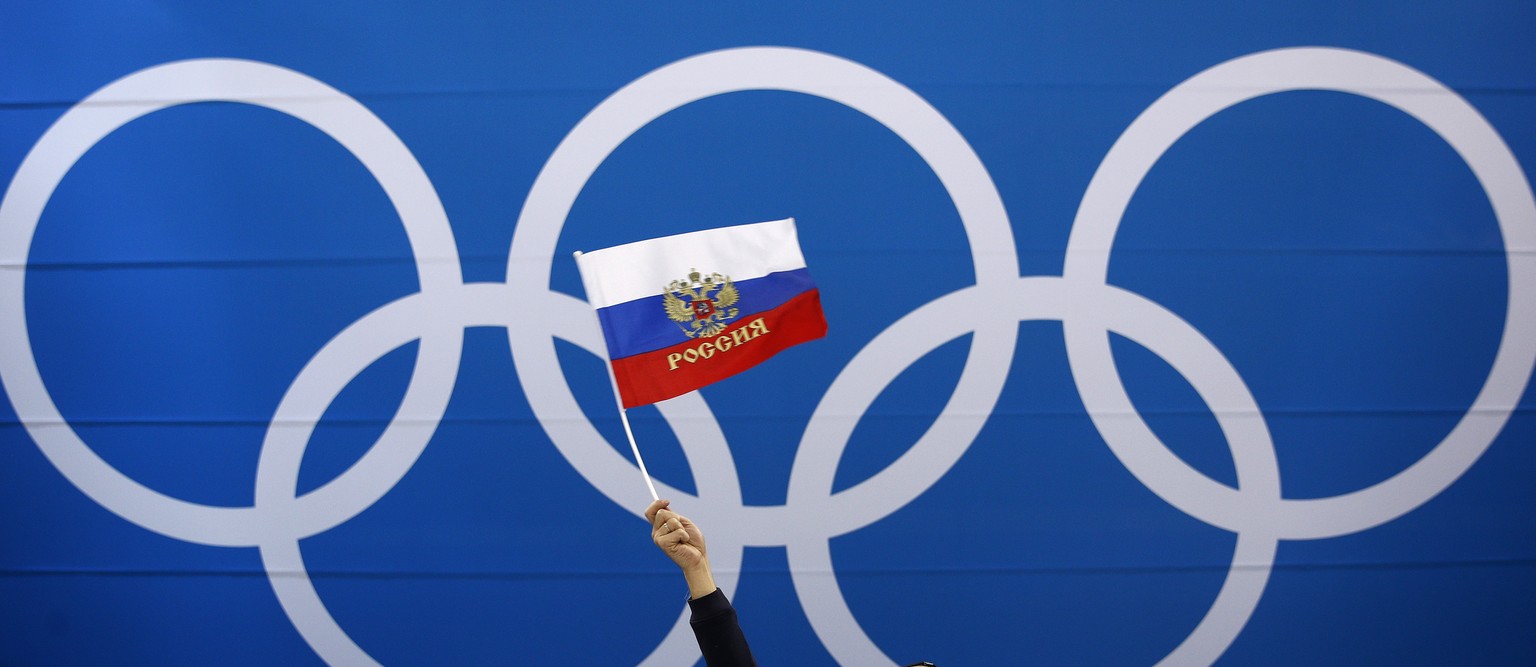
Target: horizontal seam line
(477,575)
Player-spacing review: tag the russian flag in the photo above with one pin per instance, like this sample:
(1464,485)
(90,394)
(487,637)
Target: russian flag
(681,312)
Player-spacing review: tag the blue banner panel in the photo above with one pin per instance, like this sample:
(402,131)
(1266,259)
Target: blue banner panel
(1186,334)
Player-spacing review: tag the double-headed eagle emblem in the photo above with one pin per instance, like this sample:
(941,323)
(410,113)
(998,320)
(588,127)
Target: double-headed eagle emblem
(700,304)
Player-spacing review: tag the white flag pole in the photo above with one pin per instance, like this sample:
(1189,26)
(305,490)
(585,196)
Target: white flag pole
(619,401)
(624,417)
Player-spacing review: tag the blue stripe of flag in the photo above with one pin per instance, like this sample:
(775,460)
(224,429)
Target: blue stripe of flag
(640,326)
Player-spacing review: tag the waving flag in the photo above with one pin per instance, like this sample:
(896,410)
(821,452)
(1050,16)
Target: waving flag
(681,312)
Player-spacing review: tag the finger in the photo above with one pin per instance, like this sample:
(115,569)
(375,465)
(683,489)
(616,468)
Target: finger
(663,534)
(655,507)
(664,521)
(665,517)
(671,540)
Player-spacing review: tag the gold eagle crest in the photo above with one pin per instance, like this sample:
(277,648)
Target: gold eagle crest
(701,305)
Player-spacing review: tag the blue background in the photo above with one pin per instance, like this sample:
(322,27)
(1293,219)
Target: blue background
(1339,254)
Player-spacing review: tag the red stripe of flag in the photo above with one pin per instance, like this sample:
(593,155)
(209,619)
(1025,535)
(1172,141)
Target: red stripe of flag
(679,369)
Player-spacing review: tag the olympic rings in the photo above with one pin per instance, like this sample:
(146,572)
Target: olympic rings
(1081,299)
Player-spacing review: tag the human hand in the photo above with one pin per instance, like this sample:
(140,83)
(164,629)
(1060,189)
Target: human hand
(683,542)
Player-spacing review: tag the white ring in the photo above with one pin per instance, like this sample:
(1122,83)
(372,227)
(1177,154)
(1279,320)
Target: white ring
(277,519)
(1256,510)
(578,156)
(100,114)
(1179,111)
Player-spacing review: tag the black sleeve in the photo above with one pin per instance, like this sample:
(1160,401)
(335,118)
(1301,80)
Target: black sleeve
(720,637)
